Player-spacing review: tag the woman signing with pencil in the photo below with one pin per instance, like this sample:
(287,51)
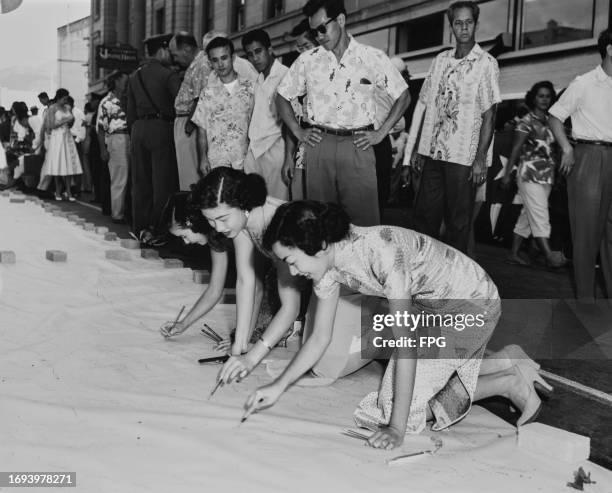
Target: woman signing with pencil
(187,223)
(237,206)
(416,274)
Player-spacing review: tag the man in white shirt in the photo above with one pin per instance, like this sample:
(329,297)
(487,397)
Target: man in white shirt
(588,166)
(266,152)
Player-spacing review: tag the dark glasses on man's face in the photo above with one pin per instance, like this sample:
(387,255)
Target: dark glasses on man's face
(322,28)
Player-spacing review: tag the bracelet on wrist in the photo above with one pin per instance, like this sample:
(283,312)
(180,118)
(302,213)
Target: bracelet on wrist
(262,340)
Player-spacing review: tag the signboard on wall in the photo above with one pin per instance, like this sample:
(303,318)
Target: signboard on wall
(116,57)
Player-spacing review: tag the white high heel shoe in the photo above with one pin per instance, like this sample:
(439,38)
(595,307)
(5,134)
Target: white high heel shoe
(532,406)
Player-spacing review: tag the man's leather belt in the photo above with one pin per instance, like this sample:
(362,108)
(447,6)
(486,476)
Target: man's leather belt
(180,115)
(593,142)
(340,132)
(156,116)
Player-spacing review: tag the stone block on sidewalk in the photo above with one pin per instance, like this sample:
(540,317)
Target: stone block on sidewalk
(201,276)
(89,226)
(173,263)
(17,200)
(56,255)
(130,243)
(555,443)
(149,253)
(7,257)
(110,236)
(59,213)
(101,230)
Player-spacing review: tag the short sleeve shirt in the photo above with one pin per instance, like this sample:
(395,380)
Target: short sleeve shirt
(537,164)
(225,116)
(588,100)
(111,116)
(265,128)
(341,93)
(456,93)
(197,75)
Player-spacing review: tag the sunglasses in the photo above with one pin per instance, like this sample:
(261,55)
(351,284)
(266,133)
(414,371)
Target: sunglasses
(322,28)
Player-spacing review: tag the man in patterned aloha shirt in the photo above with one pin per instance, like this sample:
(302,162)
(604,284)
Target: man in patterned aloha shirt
(224,110)
(115,146)
(459,96)
(340,78)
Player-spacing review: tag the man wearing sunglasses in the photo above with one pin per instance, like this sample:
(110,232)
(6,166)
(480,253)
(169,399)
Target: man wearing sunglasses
(339,79)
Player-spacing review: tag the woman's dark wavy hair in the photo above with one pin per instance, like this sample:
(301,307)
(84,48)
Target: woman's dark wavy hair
(307,225)
(232,187)
(187,215)
(531,94)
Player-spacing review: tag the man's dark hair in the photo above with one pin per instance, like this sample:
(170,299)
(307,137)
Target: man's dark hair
(70,101)
(43,95)
(604,40)
(60,93)
(473,6)
(220,42)
(111,80)
(34,110)
(185,39)
(304,28)
(256,35)
(333,8)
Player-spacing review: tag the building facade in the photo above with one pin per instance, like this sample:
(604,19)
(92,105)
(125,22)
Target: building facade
(534,39)
(73,57)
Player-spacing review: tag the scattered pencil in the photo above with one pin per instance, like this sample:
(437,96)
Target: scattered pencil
(354,434)
(402,459)
(212,332)
(214,338)
(214,359)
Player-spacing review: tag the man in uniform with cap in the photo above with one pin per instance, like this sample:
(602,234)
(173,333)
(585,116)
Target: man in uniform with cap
(152,89)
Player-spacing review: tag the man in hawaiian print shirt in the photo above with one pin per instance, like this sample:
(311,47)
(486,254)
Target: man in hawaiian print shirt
(115,141)
(340,78)
(459,98)
(224,110)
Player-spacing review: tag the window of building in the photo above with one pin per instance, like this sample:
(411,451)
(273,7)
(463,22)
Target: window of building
(421,33)
(548,22)
(274,8)
(237,15)
(160,20)
(494,19)
(377,39)
(208,15)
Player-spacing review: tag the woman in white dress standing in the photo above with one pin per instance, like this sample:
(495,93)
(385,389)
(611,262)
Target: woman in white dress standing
(62,160)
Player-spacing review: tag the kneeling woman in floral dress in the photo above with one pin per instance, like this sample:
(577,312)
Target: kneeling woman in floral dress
(416,274)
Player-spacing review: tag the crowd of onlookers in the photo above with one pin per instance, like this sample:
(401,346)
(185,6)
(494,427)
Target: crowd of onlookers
(330,127)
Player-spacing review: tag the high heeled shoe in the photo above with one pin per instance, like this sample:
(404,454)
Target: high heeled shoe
(537,384)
